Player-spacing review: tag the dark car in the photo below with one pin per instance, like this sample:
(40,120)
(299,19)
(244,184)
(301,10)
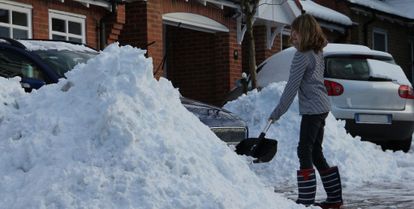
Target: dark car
(40,62)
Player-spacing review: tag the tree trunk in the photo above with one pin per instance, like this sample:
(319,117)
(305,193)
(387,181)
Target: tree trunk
(249,10)
(252,51)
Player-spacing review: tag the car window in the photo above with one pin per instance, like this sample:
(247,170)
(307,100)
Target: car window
(64,60)
(13,64)
(347,68)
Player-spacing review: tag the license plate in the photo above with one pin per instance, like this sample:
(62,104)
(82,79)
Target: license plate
(373,118)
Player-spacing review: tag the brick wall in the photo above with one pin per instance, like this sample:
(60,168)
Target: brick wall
(191,62)
(398,34)
(398,37)
(216,70)
(262,52)
(40,17)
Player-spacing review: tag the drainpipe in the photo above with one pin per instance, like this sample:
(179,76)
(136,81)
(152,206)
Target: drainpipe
(366,25)
(103,21)
(102,34)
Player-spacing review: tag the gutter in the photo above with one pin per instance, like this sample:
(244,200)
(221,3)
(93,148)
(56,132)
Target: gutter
(365,26)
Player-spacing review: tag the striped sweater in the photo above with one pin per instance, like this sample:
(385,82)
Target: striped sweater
(306,77)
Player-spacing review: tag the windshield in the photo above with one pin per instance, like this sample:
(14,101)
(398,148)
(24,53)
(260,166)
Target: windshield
(64,60)
(351,68)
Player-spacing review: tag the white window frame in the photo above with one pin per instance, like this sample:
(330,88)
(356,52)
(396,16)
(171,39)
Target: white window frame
(66,16)
(18,7)
(382,32)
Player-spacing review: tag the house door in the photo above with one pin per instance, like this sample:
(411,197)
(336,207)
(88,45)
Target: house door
(192,48)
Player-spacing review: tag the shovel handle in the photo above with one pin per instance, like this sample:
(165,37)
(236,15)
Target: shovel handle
(266,128)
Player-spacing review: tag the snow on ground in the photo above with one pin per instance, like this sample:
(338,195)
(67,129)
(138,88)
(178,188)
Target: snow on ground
(359,162)
(111,136)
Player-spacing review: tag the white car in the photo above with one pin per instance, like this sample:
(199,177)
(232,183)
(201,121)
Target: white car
(366,88)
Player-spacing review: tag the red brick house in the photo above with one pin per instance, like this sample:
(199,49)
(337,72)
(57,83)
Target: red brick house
(197,44)
(385,25)
(95,23)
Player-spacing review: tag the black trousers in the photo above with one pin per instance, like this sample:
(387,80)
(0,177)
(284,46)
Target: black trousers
(310,142)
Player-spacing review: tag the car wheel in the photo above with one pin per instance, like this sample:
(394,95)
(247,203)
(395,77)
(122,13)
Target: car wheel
(405,145)
(400,145)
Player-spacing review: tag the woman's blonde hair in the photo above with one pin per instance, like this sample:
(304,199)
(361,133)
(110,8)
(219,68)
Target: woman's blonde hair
(311,34)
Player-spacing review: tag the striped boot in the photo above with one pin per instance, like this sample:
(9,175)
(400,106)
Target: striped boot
(306,187)
(332,184)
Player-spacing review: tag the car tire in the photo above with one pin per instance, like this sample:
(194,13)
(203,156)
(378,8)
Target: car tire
(405,145)
(400,145)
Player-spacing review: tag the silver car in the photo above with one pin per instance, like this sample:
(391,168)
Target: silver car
(367,90)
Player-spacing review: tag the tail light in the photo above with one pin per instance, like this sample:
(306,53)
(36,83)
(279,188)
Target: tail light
(333,88)
(406,92)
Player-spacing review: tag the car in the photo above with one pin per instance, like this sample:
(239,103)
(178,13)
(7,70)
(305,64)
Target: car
(366,88)
(41,62)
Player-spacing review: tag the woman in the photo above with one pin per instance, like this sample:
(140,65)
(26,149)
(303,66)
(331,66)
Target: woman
(306,77)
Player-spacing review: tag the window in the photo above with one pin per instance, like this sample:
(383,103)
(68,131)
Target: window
(355,67)
(379,40)
(285,38)
(15,20)
(66,26)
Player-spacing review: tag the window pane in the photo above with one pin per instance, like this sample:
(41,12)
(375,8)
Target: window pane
(347,68)
(4,15)
(75,28)
(77,40)
(19,18)
(20,34)
(58,25)
(379,42)
(57,37)
(4,32)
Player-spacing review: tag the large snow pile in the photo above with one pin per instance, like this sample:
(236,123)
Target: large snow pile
(359,162)
(111,136)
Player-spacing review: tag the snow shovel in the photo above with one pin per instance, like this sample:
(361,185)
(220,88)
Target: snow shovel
(261,148)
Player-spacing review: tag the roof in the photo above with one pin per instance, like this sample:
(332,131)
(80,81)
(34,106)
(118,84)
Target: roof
(282,13)
(102,3)
(325,13)
(402,8)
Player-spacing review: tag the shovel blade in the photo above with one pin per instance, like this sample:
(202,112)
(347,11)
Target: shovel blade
(262,149)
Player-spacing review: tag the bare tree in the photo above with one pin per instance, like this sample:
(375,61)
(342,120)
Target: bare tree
(249,7)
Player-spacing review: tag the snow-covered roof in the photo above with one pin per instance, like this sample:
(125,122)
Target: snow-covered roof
(283,13)
(102,3)
(325,13)
(402,8)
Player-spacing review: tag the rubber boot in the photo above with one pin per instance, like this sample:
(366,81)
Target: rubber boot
(306,186)
(332,184)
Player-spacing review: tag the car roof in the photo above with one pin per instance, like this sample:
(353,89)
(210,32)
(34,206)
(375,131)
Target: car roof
(339,49)
(283,60)
(330,49)
(37,45)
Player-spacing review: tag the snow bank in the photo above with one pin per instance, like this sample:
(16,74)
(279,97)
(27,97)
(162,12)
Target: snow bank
(359,162)
(111,136)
